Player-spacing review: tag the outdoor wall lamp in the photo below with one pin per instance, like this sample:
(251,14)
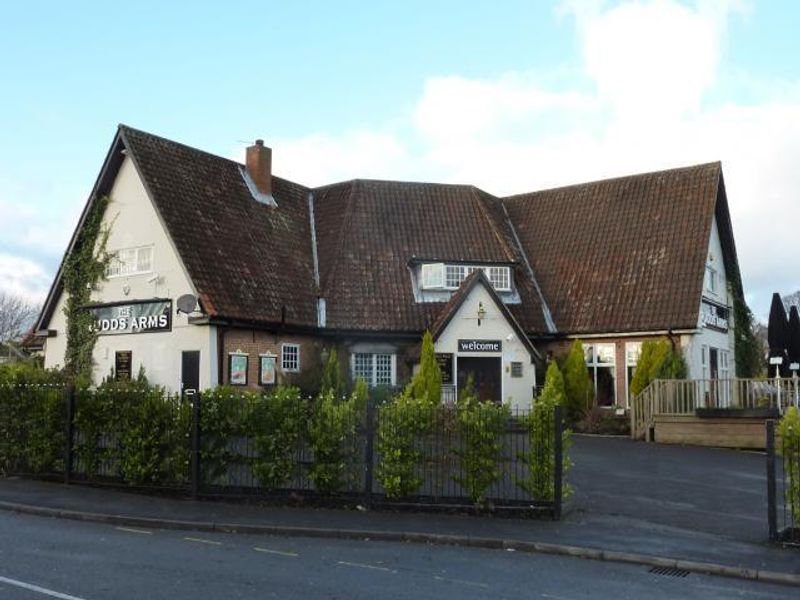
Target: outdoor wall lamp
(481,313)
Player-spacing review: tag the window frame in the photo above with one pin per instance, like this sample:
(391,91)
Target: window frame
(284,347)
(117,263)
(373,366)
(439,276)
(592,364)
(712,280)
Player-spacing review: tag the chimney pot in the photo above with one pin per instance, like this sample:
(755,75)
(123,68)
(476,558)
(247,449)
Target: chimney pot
(259,166)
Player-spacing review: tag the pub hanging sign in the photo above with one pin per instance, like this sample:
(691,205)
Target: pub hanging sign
(133,317)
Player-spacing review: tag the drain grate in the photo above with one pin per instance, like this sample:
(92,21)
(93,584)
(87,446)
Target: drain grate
(669,572)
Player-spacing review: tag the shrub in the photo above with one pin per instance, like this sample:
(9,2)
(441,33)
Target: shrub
(577,383)
(789,429)
(331,434)
(481,426)
(274,424)
(541,458)
(658,360)
(332,378)
(426,386)
(222,423)
(401,424)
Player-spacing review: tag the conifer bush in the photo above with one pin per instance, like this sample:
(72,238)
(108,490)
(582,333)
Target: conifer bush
(577,384)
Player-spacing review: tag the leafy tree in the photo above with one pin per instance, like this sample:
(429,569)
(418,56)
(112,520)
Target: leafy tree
(577,383)
(427,383)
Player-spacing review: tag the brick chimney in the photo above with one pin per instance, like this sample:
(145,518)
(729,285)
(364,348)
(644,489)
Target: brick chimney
(259,166)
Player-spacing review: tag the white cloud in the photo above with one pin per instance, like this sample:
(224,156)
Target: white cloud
(649,67)
(24,277)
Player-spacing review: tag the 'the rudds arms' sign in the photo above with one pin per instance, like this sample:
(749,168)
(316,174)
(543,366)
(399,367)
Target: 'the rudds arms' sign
(133,317)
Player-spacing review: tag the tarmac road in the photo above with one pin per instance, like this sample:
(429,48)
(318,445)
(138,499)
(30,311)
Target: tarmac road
(44,558)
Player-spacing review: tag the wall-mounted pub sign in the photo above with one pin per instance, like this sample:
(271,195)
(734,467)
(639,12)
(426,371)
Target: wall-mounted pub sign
(132,317)
(445,362)
(480,345)
(714,317)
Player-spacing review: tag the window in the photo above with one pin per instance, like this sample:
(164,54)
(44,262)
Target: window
(450,277)
(130,261)
(454,276)
(704,360)
(375,369)
(711,279)
(633,350)
(601,364)
(516,369)
(499,278)
(290,357)
(433,275)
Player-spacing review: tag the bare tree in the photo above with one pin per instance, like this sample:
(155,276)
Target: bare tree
(16,316)
(791,299)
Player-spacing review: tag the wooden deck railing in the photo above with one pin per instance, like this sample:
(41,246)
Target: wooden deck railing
(685,396)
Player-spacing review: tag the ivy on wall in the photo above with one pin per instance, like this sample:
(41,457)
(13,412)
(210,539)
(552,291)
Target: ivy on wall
(84,268)
(749,358)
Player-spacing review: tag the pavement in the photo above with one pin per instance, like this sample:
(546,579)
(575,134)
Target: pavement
(700,509)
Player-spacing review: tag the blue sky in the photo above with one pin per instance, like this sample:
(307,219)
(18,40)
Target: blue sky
(511,96)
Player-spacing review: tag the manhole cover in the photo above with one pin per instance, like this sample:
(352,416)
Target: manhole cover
(669,572)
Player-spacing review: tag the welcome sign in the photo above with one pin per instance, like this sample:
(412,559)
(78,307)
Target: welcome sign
(480,345)
(134,317)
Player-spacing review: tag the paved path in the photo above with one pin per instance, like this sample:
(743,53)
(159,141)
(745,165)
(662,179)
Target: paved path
(677,502)
(41,558)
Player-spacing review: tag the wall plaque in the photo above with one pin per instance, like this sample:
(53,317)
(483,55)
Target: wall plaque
(122,365)
(134,317)
(445,362)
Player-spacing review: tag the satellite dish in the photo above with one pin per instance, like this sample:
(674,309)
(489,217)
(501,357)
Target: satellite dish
(186,303)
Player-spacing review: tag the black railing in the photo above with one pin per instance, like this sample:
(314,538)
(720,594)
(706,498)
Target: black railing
(242,445)
(783,487)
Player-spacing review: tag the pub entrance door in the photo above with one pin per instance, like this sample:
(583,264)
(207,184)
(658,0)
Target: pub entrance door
(487,373)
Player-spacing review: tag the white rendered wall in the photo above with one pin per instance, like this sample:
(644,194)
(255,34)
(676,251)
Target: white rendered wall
(134,222)
(517,392)
(710,337)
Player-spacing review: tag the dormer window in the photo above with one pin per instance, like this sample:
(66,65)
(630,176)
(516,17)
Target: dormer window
(443,276)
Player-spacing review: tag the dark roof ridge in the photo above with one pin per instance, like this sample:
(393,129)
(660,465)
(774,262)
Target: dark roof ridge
(617,178)
(123,126)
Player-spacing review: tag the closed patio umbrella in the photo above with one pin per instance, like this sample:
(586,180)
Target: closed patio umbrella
(793,337)
(777,332)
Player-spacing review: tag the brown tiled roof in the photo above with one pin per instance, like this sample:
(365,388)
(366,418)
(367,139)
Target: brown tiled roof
(369,230)
(248,260)
(625,254)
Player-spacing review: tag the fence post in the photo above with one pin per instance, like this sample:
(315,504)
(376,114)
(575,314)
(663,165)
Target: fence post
(194,476)
(772,509)
(558,470)
(369,451)
(69,433)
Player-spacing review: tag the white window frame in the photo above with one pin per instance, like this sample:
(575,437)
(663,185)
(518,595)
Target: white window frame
(439,276)
(373,379)
(284,356)
(593,364)
(712,279)
(130,266)
(631,363)
(432,276)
